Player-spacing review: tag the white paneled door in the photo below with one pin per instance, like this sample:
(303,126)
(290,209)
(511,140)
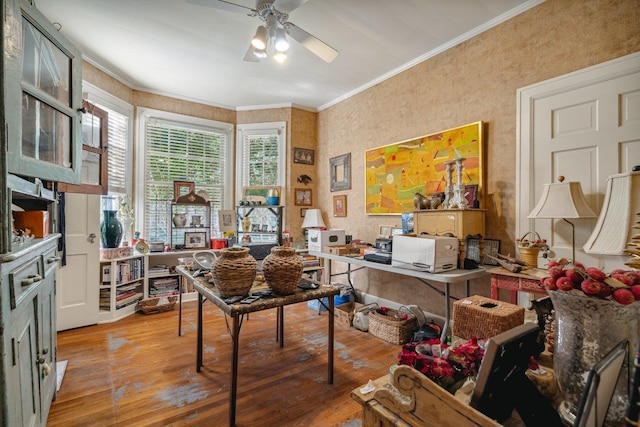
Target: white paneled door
(78,290)
(584,126)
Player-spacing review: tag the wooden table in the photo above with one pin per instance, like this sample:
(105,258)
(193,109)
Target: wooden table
(516,282)
(207,291)
(448,278)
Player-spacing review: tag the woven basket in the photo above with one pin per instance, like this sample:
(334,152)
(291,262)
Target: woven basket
(157,305)
(529,254)
(234,272)
(390,327)
(482,317)
(282,270)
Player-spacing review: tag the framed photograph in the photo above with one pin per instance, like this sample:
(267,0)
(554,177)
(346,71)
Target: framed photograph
(265,228)
(196,220)
(395,172)
(182,188)
(227,220)
(255,228)
(471,194)
(259,194)
(340,205)
(303,156)
(303,212)
(303,197)
(491,247)
(195,240)
(340,172)
(472,249)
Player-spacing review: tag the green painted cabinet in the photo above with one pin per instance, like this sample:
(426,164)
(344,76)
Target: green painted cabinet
(43,95)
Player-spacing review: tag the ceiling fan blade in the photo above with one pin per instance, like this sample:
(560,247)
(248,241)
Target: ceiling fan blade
(315,45)
(224,5)
(250,55)
(287,6)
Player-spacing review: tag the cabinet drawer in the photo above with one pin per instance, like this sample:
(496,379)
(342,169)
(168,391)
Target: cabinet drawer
(50,260)
(24,280)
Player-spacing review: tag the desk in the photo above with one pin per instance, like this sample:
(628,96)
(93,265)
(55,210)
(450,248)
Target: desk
(447,278)
(516,282)
(207,291)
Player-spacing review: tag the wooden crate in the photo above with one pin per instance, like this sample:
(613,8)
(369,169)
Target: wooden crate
(478,316)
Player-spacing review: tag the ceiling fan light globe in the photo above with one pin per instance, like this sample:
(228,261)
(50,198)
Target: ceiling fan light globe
(280,57)
(281,42)
(259,41)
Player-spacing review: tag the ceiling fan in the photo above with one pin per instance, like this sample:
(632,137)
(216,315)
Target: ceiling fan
(271,34)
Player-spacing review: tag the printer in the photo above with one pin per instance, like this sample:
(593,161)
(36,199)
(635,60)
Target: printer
(433,254)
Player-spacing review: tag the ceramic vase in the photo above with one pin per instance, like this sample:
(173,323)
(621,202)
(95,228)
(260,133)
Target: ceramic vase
(587,328)
(111,229)
(282,270)
(234,272)
(179,220)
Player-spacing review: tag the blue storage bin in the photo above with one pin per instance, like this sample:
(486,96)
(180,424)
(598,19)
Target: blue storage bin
(314,304)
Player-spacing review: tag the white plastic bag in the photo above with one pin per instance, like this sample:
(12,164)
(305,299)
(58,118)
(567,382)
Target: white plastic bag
(361,316)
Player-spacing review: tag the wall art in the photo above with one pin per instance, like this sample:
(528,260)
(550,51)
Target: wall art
(395,173)
(340,172)
(304,156)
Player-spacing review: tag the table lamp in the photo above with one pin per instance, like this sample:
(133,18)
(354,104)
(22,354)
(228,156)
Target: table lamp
(312,219)
(615,225)
(563,200)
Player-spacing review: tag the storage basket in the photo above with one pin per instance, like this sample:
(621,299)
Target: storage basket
(282,270)
(345,312)
(388,325)
(482,317)
(529,254)
(157,305)
(234,272)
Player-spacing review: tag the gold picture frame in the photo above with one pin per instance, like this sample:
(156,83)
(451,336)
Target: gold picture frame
(394,173)
(340,206)
(303,197)
(182,188)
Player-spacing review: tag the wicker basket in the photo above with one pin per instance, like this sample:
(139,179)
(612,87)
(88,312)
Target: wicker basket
(282,270)
(481,317)
(527,253)
(390,326)
(234,272)
(157,305)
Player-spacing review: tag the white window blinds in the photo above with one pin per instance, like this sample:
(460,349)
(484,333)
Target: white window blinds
(177,151)
(117,143)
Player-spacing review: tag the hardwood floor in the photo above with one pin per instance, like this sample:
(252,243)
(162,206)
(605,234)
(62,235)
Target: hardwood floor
(139,372)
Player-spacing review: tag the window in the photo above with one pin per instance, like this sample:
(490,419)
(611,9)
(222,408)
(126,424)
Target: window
(174,147)
(260,155)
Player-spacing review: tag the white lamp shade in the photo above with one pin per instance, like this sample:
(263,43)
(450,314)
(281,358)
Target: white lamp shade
(562,200)
(614,228)
(313,219)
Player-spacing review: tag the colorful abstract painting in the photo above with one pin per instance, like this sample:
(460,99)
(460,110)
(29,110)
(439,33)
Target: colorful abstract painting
(395,173)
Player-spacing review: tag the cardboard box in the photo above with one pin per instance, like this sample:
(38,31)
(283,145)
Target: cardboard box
(343,250)
(36,221)
(320,239)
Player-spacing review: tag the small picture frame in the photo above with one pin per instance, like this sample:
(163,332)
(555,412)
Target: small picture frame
(471,194)
(472,249)
(195,240)
(304,156)
(255,228)
(340,172)
(182,188)
(227,220)
(303,212)
(491,247)
(265,228)
(303,197)
(340,206)
(196,221)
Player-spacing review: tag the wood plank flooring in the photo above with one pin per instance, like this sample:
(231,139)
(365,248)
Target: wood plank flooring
(139,372)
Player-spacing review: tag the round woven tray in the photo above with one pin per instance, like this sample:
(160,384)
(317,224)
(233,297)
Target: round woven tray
(234,272)
(282,270)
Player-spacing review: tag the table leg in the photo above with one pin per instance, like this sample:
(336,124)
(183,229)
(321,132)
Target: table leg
(234,371)
(494,288)
(281,325)
(447,314)
(180,279)
(199,334)
(330,340)
(468,287)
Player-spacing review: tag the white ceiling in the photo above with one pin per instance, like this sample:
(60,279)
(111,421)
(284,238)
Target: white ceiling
(194,52)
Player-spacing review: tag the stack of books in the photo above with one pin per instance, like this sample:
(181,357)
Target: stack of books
(163,287)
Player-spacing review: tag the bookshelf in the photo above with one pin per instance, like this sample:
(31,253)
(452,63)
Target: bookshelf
(126,281)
